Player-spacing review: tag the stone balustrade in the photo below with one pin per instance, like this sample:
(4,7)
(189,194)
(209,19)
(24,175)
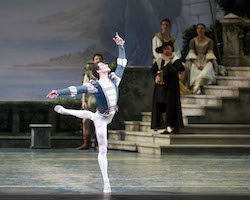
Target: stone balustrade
(236,40)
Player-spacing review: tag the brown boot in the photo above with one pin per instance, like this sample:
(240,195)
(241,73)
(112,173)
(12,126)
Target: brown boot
(86,143)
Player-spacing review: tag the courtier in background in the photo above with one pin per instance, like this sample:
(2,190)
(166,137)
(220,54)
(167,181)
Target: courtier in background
(166,109)
(91,104)
(105,90)
(164,36)
(200,60)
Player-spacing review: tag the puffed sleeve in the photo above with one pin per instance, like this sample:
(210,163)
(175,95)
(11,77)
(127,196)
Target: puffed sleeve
(210,53)
(156,42)
(191,54)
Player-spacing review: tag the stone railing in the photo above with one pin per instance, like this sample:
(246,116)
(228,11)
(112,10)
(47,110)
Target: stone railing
(16,116)
(236,40)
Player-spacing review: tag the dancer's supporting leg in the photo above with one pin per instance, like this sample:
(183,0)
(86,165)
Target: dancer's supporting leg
(101,134)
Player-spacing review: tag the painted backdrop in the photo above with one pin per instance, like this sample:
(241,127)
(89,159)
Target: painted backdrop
(45,43)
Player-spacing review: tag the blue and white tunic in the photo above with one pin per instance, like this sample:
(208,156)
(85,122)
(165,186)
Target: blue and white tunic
(106,94)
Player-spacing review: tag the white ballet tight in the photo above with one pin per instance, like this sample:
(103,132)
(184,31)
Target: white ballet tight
(100,123)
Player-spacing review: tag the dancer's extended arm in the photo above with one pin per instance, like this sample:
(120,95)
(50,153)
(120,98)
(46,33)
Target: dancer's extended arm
(73,90)
(121,60)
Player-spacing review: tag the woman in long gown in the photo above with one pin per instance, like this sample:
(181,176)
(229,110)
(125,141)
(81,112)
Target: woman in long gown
(201,58)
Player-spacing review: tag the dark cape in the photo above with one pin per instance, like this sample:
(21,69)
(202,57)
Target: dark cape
(166,109)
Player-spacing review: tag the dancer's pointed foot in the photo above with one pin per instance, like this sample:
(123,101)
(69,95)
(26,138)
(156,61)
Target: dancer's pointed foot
(59,109)
(107,188)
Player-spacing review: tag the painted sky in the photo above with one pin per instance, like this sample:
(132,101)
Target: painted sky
(23,39)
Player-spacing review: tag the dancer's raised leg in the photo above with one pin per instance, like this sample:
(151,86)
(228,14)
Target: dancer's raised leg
(82,114)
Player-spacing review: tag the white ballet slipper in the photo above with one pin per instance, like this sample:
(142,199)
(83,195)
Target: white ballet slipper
(107,188)
(59,109)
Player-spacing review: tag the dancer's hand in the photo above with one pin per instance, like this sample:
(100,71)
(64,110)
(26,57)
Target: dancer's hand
(118,40)
(53,94)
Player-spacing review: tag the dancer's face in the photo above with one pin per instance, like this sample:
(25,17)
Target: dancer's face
(97,59)
(103,68)
(167,50)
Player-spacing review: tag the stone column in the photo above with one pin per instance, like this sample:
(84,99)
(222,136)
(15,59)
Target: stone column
(15,121)
(231,41)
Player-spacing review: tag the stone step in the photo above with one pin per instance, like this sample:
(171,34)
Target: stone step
(143,126)
(205,149)
(187,110)
(146,117)
(149,148)
(138,126)
(238,71)
(210,139)
(139,136)
(180,149)
(234,129)
(162,139)
(122,145)
(201,100)
(233,81)
(144,148)
(7,141)
(194,128)
(221,91)
(194,109)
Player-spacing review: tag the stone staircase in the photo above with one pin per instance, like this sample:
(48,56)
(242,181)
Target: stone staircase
(217,122)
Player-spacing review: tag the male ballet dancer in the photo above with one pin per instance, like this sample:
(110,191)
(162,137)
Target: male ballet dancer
(105,90)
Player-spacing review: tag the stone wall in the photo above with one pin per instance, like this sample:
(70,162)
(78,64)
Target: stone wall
(192,13)
(198,11)
(135,97)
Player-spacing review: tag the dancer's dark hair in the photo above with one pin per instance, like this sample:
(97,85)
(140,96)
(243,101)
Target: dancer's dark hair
(94,69)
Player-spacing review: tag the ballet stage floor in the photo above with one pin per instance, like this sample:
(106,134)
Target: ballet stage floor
(72,174)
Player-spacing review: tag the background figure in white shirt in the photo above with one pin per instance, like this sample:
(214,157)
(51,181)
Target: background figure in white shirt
(164,36)
(90,104)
